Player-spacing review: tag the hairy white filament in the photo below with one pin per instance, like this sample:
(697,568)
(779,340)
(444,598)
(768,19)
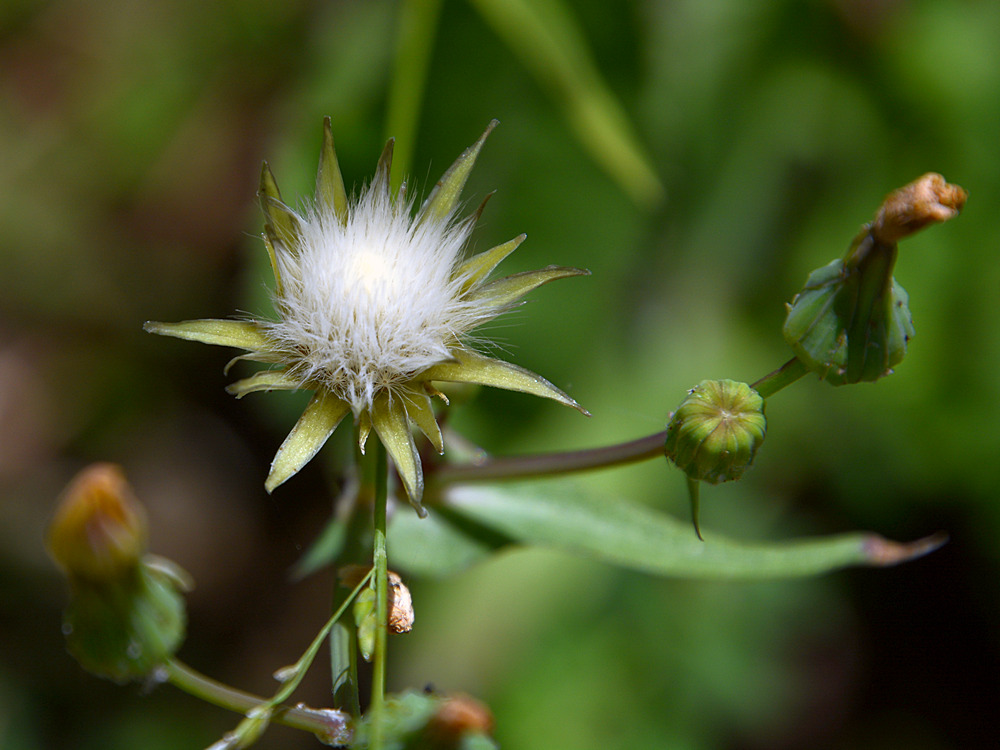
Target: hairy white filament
(366,305)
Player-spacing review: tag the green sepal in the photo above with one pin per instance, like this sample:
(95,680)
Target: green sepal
(330,190)
(124,629)
(474,271)
(390,422)
(317,423)
(265,380)
(444,197)
(383,170)
(470,367)
(419,409)
(242,334)
(272,256)
(283,223)
(503,293)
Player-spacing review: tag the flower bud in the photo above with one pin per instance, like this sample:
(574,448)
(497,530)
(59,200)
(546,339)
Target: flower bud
(126,615)
(851,322)
(365,621)
(716,431)
(427,721)
(99,530)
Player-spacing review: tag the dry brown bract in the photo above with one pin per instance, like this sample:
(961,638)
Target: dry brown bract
(925,201)
(400,602)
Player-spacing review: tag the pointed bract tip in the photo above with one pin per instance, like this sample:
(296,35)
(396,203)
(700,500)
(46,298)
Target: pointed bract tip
(271,484)
(383,169)
(884,552)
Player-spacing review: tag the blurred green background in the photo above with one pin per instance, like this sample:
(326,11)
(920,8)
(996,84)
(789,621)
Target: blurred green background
(131,135)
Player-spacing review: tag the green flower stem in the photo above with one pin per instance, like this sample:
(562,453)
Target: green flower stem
(414,43)
(381,571)
(326,723)
(784,376)
(548,464)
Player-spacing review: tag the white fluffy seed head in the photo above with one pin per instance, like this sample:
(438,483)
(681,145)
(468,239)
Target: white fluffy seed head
(367,305)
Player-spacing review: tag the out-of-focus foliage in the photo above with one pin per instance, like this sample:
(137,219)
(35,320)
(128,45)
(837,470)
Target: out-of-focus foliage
(131,135)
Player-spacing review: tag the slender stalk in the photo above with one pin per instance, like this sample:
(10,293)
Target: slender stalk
(414,43)
(784,376)
(381,572)
(328,724)
(694,494)
(547,464)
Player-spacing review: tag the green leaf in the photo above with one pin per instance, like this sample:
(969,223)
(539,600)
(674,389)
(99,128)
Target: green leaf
(442,544)
(562,514)
(550,43)
(324,550)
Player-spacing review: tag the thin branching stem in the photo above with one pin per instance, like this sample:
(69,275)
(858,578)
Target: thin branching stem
(326,723)
(549,464)
(381,573)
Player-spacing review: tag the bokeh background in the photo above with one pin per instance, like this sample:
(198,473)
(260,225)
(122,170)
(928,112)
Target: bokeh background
(131,135)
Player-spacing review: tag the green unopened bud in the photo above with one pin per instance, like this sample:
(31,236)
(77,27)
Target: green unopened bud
(365,621)
(716,431)
(126,615)
(851,322)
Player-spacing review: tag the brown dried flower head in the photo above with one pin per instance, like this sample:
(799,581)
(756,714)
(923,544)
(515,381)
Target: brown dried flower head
(925,201)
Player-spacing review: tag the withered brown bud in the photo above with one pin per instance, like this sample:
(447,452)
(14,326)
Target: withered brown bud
(925,201)
(457,716)
(99,531)
(401,614)
(400,605)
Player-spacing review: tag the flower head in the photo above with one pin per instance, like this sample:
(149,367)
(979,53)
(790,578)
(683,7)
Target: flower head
(374,302)
(99,531)
(126,614)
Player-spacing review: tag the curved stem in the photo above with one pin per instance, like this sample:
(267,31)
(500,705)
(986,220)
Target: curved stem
(547,464)
(380,563)
(784,376)
(329,724)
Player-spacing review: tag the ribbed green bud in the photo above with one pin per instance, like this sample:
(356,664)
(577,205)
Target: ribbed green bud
(851,322)
(126,615)
(124,630)
(716,431)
